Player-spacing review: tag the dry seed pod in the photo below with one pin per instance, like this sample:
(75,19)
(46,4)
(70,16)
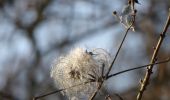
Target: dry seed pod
(126,10)
(129,21)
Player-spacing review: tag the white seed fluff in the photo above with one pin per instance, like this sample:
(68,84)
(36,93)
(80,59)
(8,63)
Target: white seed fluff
(75,68)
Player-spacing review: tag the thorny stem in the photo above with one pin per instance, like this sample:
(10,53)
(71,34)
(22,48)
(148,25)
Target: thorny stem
(148,73)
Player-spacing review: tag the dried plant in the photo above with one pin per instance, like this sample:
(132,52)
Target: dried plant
(33,31)
(81,74)
(79,66)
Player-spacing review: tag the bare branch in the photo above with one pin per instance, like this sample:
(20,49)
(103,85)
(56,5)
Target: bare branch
(53,92)
(148,73)
(95,93)
(137,68)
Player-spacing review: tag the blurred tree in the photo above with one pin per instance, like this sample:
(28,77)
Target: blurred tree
(35,32)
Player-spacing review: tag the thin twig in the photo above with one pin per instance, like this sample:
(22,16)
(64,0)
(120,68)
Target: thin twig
(137,68)
(110,67)
(53,92)
(127,30)
(148,73)
(118,51)
(101,83)
(117,95)
(95,93)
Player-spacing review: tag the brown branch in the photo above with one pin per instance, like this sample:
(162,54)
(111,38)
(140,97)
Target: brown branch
(137,68)
(95,93)
(148,73)
(53,92)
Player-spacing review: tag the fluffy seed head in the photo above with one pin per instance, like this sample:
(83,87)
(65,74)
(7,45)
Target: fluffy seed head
(75,68)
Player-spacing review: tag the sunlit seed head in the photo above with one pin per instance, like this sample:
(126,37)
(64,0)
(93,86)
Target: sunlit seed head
(75,68)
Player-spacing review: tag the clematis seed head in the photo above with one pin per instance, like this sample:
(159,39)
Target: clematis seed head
(76,67)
